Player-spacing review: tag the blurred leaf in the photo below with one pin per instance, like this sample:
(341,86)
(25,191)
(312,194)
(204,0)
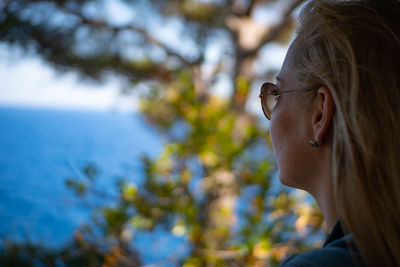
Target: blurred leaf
(79,188)
(90,171)
(129,191)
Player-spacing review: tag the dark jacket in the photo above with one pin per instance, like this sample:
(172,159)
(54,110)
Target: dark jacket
(338,250)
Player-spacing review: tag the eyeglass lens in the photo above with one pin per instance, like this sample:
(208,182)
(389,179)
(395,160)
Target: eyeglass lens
(268,98)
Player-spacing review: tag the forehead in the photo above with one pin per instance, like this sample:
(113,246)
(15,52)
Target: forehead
(285,76)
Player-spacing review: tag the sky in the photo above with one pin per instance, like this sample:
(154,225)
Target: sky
(30,82)
(27,81)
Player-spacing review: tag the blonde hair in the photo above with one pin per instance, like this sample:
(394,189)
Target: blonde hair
(353,48)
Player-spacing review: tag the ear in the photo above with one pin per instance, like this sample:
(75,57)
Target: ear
(322,114)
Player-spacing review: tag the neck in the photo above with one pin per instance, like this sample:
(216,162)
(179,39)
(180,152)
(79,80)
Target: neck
(326,203)
(322,188)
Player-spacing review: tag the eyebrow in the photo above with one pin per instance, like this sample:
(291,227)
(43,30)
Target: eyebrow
(279,79)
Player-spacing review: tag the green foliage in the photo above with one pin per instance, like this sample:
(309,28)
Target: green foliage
(213,182)
(79,188)
(195,186)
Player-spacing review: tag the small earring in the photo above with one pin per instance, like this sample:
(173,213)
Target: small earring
(313,143)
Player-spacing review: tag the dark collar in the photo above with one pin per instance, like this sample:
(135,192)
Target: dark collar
(336,233)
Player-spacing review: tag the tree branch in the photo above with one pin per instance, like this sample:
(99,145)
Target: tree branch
(250,8)
(142,32)
(274,32)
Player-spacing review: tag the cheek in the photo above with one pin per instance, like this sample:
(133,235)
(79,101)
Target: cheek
(280,125)
(279,130)
(285,138)
(274,135)
(280,145)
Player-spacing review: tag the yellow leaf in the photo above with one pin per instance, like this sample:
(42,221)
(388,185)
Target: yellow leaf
(179,229)
(209,158)
(262,249)
(129,191)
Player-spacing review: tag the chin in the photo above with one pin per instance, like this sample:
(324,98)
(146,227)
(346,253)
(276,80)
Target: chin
(283,179)
(288,182)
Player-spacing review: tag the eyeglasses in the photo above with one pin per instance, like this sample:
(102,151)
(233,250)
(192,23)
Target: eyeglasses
(269,96)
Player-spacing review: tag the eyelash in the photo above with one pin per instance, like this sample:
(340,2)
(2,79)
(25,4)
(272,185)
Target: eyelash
(275,92)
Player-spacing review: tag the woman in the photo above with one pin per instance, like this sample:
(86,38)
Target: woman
(335,127)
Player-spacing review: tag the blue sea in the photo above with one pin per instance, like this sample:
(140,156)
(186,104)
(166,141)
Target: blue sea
(41,148)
